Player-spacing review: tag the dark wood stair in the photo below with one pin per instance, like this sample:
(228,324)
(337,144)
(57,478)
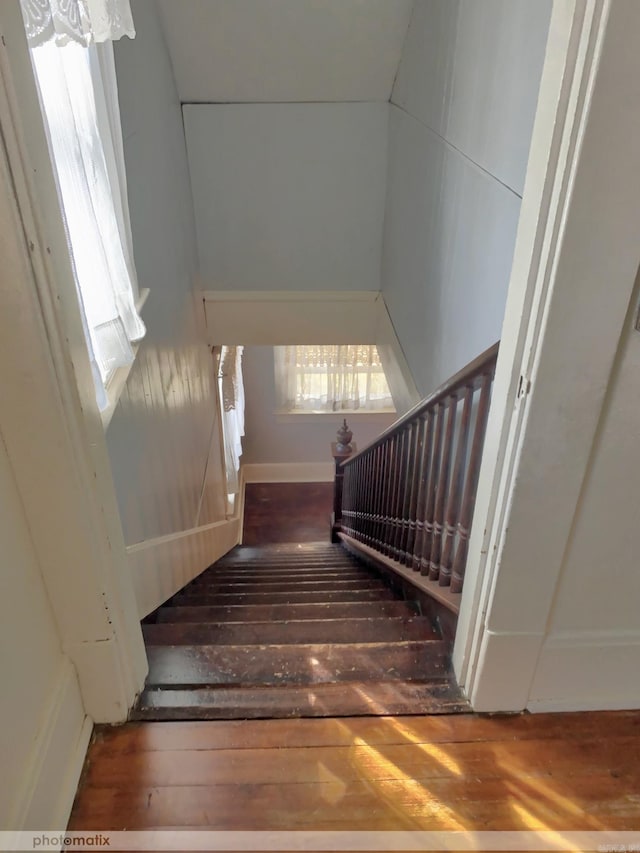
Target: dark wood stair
(290,630)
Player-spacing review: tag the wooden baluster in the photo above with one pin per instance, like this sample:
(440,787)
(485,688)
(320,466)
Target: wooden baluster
(453,504)
(415,471)
(471,484)
(379,488)
(432,482)
(442,491)
(368,504)
(400,489)
(360,475)
(384,491)
(408,485)
(425,461)
(391,475)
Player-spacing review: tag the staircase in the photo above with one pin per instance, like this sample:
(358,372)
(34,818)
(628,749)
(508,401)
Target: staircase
(293,631)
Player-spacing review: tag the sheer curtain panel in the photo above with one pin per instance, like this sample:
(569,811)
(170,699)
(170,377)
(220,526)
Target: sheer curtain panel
(78,93)
(331,379)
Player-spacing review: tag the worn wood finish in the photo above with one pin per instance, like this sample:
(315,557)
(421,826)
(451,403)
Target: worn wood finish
(410,494)
(202,665)
(346,699)
(549,772)
(256,638)
(286,512)
(247,613)
(291,632)
(380,593)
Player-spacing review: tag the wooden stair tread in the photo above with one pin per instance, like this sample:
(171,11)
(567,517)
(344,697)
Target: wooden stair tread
(287,631)
(346,699)
(260,585)
(206,665)
(292,597)
(290,632)
(278,612)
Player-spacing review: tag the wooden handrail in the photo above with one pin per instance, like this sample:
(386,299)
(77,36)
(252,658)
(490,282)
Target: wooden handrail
(410,494)
(458,380)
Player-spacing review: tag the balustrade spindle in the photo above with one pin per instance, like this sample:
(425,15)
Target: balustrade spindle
(415,469)
(471,486)
(442,490)
(455,491)
(432,482)
(411,494)
(429,419)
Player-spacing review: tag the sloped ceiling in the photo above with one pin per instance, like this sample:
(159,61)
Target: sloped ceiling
(285,50)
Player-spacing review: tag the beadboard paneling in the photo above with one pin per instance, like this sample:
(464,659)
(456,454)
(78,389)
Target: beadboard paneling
(161,432)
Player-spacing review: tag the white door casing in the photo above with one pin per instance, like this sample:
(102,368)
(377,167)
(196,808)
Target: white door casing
(575,263)
(49,418)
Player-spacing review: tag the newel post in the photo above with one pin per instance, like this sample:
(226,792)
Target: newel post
(340,450)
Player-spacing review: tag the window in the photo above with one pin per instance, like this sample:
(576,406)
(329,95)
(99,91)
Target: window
(78,94)
(340,378)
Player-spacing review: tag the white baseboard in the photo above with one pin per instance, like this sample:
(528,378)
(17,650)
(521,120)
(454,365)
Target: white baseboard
(53,769)
(594,671)
(289,472)
(162,566)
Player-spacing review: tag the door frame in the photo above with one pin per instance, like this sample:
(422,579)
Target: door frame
(575,263)
(49,419)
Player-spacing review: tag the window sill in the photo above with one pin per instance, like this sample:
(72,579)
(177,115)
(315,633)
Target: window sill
(284,416)
(116,384)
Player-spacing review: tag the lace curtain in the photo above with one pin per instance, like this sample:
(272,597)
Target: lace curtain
(80,21)
(232,398)
(78,94)
(331,379)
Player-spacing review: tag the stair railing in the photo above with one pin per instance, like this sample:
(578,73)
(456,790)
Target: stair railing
(410,494)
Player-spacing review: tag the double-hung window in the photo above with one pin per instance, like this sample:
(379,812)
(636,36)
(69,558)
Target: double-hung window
(78,93)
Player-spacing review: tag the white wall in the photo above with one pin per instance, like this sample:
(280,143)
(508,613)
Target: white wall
(164,432)
(285,50)
(288,196)
(460,126)
(272,438)
(160,434)
(37,682)
(591,654)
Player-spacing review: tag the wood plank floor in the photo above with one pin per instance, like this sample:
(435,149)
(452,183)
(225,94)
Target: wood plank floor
(556,771)
(286,512)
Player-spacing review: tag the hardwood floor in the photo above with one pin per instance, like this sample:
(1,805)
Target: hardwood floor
(556,771)
(287,512)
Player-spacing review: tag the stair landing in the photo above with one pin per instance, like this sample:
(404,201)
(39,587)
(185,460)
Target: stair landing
(293,631)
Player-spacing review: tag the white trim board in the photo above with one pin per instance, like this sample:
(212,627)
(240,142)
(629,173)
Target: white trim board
(572,278)
(281,317)
(288,472)
(161,567)
(278,318)
(53,770)
(587,672)
(49,418)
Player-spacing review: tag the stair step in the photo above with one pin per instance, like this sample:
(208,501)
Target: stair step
(303,663)
(383,594)
(282,577)
(293,585)
(285,565)
(280,612)
(347,699)
(379,629)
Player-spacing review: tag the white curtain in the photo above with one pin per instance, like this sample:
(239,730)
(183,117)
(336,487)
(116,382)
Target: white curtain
(232,398)
(80,21)
(331,378)
(78,93)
